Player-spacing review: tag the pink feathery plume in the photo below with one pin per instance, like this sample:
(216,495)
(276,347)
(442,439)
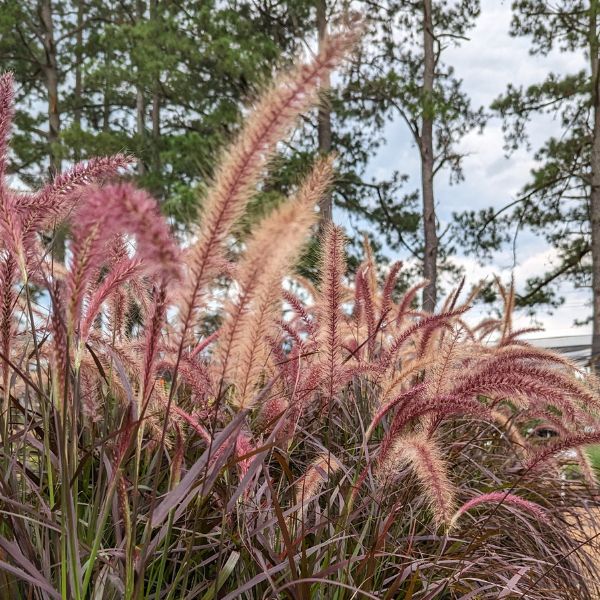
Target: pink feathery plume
(193,423)
(529,382)
(292,333)
(368,305)
(548,451)
(6,117)
(243,165)
(59,353)
(388,288)
(11,228)
(444,407)
(300,310)
(528,353)
(195,374)
(512,338)
(109,211)
(408,299)
(205,343)
(316,475)
(122,208)
(424,457)
(243,446)
(10,221)
(57,197)
(423,323)
(329,309)
(8,273)
(151,345)
(120,273)
(274,408)
(427,336)
(501,498)
(558,424)
(401,399)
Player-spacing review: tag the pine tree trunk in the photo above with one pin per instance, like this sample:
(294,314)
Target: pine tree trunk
(156,166)
(595,186)
(106,95)
(429,220)
(50,69)
(78,92)
(324,118)
(140,104)
(50,72)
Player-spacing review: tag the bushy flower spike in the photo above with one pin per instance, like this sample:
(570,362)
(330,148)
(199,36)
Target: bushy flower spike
(243,165)
(408,299)
(423,323)
(52,203)
(423,455)
(388,289)
(317,474)
(125,209)
(499,499)
(6,117)
(329,310)
(8,274)
(113,210)
(259,277)
(542,455)
(118,275)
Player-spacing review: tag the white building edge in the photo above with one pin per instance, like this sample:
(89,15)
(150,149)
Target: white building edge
(575,347)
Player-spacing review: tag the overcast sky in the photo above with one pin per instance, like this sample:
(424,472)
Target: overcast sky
(486,63)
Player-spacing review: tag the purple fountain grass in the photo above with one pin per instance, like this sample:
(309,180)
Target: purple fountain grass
(408,299)
(300,310)
(259,278)
(540,456)
(499,499)
(121,208)
(423,455)
(135,441)
(329,311)
(242,167)
(388,289)
(6,117)
(401,400)
(108,212)
(120,273)
(152,342)
(320,470)
(550,420)
(365,300)
(54,202)
(431,321)
(8,276)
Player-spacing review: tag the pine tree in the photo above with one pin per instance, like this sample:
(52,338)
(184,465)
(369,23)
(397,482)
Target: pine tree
(561,203)
(408,41)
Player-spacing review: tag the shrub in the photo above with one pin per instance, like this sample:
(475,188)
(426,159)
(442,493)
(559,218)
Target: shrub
(325,441)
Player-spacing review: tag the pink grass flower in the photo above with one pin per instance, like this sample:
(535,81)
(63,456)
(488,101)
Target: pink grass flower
(501,498)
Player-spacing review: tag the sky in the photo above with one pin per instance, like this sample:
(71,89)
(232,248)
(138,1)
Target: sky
(486,63)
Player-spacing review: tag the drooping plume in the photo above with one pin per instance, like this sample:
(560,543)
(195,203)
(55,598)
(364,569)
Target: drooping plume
(498,499)
(423,455)
(317,474)
(108,212)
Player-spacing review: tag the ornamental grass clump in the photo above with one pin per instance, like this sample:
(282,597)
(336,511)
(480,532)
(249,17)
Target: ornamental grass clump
(318,440)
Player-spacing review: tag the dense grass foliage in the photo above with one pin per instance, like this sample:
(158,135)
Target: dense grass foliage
(201,423)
